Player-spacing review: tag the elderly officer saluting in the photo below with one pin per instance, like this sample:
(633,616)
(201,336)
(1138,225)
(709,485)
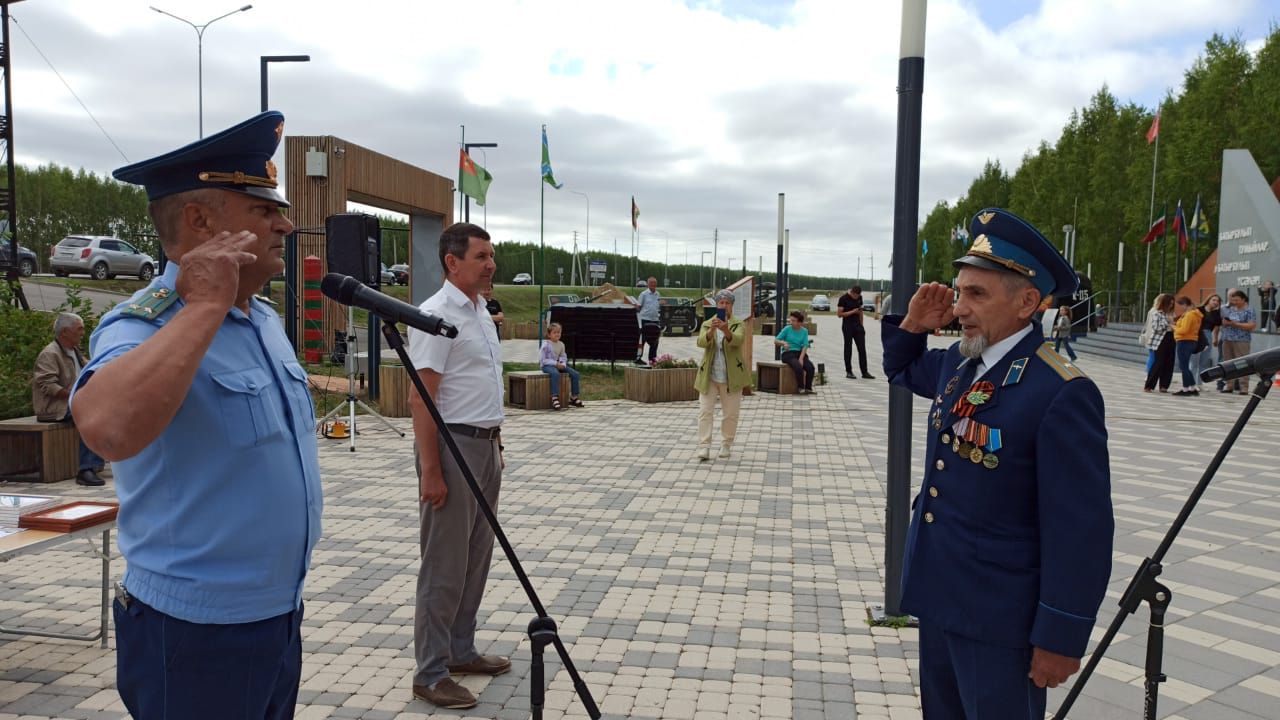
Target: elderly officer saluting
(1009,550)
(196,397)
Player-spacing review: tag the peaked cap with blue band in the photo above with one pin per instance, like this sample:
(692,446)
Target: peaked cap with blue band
(1003,241)
(237,159)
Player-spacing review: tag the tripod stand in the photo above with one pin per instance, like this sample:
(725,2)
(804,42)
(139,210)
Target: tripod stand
(542,629)
(1145,588)
(352,401)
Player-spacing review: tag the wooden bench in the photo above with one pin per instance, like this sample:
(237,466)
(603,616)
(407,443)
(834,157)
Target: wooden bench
(775,377)
(531,389)
(39,451)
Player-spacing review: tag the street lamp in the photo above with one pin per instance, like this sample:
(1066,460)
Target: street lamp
(200,51)
(275,58)
(466,199)
(587,251)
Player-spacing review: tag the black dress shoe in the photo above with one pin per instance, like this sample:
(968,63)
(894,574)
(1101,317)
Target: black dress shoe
(90,478)
(851,376)
(868,376)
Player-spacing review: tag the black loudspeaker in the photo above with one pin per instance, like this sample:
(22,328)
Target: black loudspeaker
(354,243)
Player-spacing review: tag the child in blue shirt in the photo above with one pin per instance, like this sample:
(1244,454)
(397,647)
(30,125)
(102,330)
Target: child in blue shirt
(795,339)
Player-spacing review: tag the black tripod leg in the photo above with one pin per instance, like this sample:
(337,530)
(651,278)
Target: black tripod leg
(1159,602)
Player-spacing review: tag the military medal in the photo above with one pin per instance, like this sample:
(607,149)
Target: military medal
(964,449)
(990,461)
(975,455)
(977,397)
(978,394)
(955,445)
(951,385)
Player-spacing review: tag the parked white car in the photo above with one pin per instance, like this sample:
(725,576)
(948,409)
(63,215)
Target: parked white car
(101,257)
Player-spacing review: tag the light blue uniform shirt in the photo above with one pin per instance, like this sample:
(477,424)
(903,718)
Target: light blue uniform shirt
(650,307)
(219,515)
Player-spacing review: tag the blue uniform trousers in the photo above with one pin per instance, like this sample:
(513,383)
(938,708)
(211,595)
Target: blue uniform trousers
(170,669)
(965,679)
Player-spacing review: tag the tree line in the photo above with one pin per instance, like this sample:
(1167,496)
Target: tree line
(1097,176)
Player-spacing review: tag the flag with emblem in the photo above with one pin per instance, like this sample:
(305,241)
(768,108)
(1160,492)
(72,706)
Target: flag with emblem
(547,176)
(473,179)
(1199,221)
(1156,230)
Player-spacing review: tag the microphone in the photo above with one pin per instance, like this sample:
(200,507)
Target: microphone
(1266,362)
(350,291)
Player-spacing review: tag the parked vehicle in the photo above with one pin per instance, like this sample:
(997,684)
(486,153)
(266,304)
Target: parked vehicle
(101,257)
(401,273)
(522,279)
(28,262)
(387,277)
(820,302)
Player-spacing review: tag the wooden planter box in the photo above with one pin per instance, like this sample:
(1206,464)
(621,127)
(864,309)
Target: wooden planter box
(653,385)
(394,386)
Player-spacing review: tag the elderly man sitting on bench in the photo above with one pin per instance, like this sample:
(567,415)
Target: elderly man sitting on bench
(57,367)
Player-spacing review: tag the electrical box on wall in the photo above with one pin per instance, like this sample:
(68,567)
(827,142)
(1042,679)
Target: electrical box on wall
(317,163)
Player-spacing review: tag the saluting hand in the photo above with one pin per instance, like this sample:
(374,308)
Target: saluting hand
(210,273)
(1049,669)
(930,308)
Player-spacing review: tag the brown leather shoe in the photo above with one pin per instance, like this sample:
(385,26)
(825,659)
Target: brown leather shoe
(447,694)
(483,665)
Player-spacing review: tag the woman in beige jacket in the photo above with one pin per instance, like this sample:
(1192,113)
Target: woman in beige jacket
(721,375)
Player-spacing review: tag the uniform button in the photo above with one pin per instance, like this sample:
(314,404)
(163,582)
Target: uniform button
(928,517)
(933,492)
(946,439)
(940,465)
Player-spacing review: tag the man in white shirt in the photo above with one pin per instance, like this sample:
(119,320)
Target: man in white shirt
(464,377)
(650,312)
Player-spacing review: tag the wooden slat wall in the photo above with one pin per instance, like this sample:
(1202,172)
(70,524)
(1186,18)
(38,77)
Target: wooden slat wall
(361,175)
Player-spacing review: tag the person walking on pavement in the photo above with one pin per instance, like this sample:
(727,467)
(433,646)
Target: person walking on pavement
(650,312)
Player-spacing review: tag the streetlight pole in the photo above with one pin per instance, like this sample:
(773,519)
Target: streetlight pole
(587,242)
(200,52)
(264,60)
(702,264)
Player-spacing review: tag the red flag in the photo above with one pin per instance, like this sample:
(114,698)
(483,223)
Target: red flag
(1154,131)
(1180,228)
(1157,229)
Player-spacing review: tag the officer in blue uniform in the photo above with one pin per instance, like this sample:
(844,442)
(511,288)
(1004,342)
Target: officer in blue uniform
(196,397)
(1009,550)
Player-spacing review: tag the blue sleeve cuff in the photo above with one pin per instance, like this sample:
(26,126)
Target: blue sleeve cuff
(1061,632)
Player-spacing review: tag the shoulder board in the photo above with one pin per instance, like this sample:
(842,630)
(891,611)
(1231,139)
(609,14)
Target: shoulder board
(151,305)
(1066,370)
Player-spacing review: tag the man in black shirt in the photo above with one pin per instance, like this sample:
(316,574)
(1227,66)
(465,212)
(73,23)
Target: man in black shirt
(495,309)
(849,307)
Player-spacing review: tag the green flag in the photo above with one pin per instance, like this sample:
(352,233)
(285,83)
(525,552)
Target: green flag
(547,176)
(474,179)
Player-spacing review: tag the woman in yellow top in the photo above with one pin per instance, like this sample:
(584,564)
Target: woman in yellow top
(1186,332)
(721,375)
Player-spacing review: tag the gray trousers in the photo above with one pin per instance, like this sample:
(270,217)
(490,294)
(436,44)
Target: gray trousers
(456,544)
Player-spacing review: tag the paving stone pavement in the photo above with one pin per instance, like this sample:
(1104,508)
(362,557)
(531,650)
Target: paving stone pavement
(730,589)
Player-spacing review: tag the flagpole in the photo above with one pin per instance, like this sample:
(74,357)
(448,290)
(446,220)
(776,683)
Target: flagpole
(1195,239)
(1163,242)
(462,144)
(542,226)
(1151,214)
(1177,253)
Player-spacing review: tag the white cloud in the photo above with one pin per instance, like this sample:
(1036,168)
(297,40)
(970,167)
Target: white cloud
(704,113)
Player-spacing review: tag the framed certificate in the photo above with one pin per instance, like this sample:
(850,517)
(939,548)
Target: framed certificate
(71,517)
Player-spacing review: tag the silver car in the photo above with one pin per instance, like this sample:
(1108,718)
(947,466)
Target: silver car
(101,257)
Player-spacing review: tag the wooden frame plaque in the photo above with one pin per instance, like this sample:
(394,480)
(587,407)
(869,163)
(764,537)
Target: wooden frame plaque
(71,516)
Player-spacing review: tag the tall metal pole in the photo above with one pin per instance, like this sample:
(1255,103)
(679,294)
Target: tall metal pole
(1151,214)
(200,53)
(786,274)
(587,251)
(778,276)
(744,257)
(1119,272)
(905,220)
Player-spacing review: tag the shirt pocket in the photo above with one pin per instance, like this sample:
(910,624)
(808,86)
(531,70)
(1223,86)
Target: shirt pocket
(299,394)
(249,412)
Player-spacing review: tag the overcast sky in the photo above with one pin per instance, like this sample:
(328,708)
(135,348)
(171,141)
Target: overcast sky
(703,110)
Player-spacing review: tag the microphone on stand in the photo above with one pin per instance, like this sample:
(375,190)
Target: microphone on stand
(350,291)
(1266,362)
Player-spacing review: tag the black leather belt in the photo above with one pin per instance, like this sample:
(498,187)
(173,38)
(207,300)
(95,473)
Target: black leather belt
(473,431)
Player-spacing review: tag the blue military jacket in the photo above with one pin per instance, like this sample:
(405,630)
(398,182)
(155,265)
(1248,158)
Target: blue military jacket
(1011,533)
(219,515)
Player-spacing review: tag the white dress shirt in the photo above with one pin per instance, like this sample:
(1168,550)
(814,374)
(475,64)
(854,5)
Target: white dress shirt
(996,352)
(471,389)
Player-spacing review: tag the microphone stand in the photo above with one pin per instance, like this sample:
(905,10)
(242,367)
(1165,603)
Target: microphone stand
(1144,587)
(542,629)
